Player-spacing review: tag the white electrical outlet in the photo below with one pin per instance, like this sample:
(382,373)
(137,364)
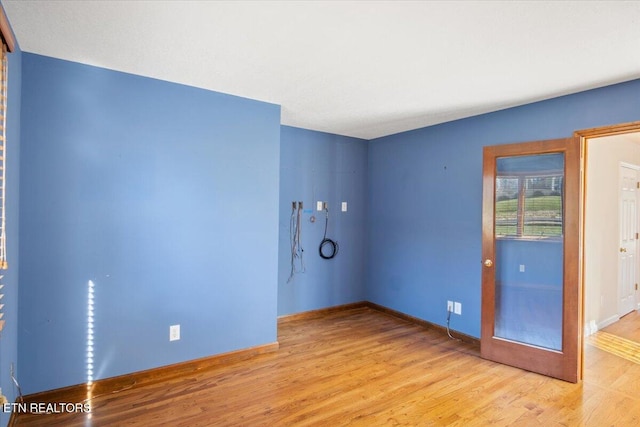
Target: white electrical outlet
(521,268)
(318,206)
(344,206)
(174,332)
(457,308)
(449,306)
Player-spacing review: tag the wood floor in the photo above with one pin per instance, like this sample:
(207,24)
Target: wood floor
(361,367)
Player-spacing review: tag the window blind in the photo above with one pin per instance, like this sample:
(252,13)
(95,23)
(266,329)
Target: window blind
(3,158)
(3,174)
(8,45)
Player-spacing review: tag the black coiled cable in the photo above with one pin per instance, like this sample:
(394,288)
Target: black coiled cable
(333,245)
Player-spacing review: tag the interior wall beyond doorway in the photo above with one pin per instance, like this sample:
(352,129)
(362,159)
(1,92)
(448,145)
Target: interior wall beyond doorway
(604,155)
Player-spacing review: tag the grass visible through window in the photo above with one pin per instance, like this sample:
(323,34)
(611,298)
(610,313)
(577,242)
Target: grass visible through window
(542,216)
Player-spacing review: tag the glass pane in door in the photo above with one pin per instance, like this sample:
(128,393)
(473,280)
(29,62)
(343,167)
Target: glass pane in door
(529,249)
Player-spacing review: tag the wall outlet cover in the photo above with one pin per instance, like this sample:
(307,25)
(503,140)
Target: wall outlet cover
(174,332)
(457,308)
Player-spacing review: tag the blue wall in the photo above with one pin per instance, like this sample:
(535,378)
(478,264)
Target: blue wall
(166,198)
(9,337)
(425,199)
(316,166)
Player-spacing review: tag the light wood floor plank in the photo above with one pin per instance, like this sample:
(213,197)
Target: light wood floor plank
(361,367)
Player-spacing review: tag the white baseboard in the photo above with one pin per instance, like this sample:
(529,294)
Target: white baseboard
(590,328)
(606,322)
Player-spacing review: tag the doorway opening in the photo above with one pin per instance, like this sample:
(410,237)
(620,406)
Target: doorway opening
(610,244)
(609,276)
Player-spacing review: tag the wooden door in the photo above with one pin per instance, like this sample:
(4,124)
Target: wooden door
(531,301)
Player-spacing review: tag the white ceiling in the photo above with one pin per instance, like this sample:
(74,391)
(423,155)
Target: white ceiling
(357,68)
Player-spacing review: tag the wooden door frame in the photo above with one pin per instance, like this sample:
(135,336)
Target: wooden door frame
(584,135)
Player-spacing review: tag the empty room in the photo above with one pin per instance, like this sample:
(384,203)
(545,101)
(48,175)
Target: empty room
(314,213)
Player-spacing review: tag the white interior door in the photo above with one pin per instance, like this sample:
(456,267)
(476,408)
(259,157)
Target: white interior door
(628,260)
